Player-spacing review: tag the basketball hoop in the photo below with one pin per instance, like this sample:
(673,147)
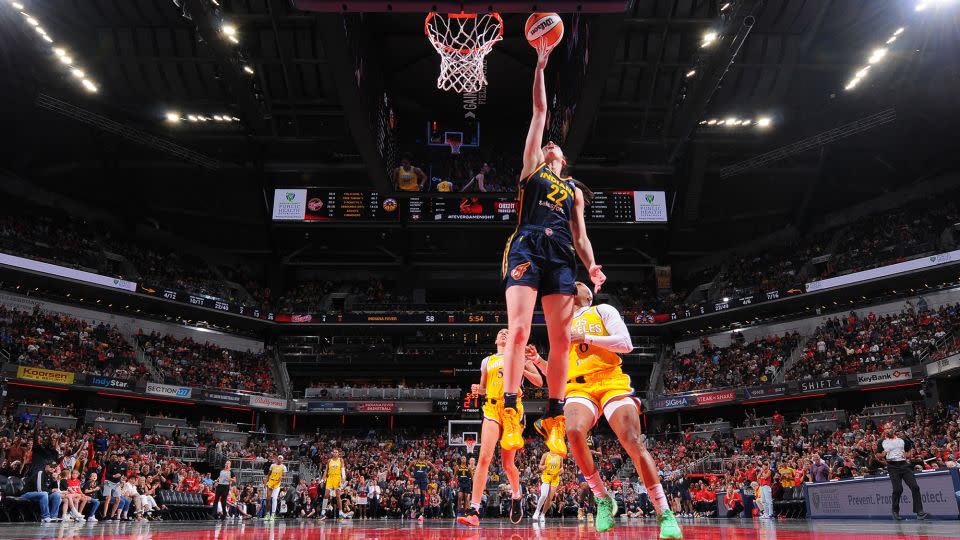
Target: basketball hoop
(454,141)
(471,444)
(463,40)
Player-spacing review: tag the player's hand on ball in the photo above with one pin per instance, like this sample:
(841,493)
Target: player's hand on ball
(543,54)
(597,277)
(474,388)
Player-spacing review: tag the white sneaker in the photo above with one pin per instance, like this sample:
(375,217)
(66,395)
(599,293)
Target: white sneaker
(543,518)
(535,516)
(46,520)
(92,519)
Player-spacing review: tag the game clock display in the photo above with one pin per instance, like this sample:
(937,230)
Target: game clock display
(471,403)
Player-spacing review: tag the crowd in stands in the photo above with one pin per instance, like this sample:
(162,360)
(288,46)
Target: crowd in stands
(190,363)
(54,341)
(738,364)
(789,455)
(855,344)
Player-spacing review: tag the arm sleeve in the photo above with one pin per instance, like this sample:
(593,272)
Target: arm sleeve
(619,339)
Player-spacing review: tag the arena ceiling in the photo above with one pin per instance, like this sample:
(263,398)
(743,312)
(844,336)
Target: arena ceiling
(640,120)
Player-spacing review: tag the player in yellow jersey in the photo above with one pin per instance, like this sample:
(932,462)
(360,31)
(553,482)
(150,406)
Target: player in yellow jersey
(333,476)
(491,387)
(274,479)
(445,186)
(407,177)
(597,385)
(551,468)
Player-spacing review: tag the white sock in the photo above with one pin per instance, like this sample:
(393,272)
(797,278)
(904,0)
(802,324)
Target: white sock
(659,497)
(475,506)
(596,485)
(542,499)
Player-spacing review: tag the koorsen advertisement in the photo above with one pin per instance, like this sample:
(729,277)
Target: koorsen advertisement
(44,375)
(168,390)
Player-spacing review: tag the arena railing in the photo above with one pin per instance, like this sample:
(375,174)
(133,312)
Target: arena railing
(189,454)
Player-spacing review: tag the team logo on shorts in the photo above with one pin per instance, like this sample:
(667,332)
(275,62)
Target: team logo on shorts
(519,270)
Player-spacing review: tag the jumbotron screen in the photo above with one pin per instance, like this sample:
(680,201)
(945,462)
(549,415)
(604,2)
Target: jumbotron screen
(333,205)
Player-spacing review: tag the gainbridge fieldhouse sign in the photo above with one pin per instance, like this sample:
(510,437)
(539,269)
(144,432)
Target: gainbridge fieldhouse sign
(44,375)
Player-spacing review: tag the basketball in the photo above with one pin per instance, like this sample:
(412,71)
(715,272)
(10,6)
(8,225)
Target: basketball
(544,26)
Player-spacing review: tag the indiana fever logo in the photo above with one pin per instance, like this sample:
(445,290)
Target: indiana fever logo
(519,270)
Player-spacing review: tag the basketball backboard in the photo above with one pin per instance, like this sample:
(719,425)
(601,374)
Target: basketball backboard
(460,430)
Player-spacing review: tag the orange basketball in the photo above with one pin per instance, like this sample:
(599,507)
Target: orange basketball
(544,26)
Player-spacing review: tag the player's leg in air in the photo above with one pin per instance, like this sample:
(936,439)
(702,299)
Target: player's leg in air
(540,256)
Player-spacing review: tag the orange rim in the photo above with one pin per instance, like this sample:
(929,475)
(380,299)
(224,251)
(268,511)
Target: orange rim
(435,42)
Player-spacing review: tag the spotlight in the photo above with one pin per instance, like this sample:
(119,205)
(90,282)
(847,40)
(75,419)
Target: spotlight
(17,5)
(218,118)
(59,51)
(899,31)
(203,118)
(235,119)
(46,38)
(66,60)
(229,29)
(712,121)
(732,121)
(862,73)
(725,7)
(89,85)
(921,6)
(764,121)
(708,38)
(852,84)
(173,117)
(248,69)
(891,40)
(191,117)
(78,73)
(747,122)
(721,122)
(691,73)
(702,122)
(233,39)
(877,55)
(32,22)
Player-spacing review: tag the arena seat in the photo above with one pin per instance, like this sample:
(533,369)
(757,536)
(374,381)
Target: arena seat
(13,506)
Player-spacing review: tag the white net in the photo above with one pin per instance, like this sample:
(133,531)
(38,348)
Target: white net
(463,40)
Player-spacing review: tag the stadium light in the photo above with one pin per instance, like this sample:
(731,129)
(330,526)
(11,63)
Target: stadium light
(921,6)
(712,121)
(78,73)
(691,73)
(173,117)
(891,40)
(66,59)
(877,55)
(229,29)
(708,38)
(725,7)
(59,52)
(852,84)
(899,31)
(89,85)
(192,117)
(732,121)
(248,69)
(862,73)
(765,121)
(16,5)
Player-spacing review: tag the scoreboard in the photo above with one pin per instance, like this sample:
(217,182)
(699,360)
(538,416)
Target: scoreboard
(325,205)
(333,205)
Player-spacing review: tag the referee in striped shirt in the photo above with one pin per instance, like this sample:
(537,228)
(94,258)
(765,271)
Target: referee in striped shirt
(894,451)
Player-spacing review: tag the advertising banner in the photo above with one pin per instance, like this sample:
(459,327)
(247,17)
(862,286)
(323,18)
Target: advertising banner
(44,375)
(69,273)
(650,206)
(671,402)
(327,406)
(375,406)
(222,397)
(946,364)
(289,204)
(819,385)
(107,382)
(716,397)
(268,402)
(884,271)
(168,390)
(765,391)
(870,498)
(888,376)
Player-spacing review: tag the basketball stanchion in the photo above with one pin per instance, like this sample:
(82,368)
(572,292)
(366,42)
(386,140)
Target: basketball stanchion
(463,40)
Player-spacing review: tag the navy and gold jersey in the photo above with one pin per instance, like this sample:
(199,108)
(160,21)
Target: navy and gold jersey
(420,469)
(463,474)
(546,200)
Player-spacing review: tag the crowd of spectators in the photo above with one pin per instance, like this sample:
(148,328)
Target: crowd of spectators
(855,344)
(59,342)
(738,364)
(191,363)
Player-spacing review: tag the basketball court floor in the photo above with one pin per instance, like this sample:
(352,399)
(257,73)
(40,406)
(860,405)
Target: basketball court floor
(701,529)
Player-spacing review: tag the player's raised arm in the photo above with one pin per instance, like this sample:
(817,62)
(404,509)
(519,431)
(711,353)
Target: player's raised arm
(578,228)
(530,371)
(532,151)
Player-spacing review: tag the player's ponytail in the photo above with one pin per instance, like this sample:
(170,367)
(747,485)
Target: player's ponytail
(587,192)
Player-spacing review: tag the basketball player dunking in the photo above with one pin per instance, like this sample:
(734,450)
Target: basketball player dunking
(491,388)
(540,256)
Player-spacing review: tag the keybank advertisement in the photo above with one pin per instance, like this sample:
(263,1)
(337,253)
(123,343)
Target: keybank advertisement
(888,376)
(871,497)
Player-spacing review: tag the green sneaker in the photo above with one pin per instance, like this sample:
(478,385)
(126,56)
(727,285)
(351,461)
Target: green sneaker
(606,509)
(669,528)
